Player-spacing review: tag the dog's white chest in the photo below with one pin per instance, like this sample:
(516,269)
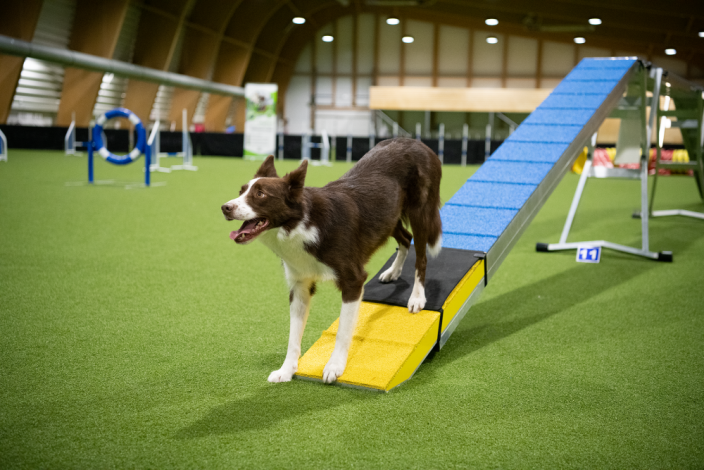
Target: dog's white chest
(290,247)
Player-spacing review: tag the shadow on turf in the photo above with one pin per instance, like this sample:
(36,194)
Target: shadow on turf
(270,405)
(486,323)
(516,310)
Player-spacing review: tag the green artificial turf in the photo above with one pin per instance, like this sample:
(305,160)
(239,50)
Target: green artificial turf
(135,334)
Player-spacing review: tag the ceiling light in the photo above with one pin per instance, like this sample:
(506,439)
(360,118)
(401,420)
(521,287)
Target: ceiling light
(392,20)
(579,40)
(701,34)
(670,51)
(595,21)
(328,38)
(407,39)
(492,39)
(491,21)
(299,20)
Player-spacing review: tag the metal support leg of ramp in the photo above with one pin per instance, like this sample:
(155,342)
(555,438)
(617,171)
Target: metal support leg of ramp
(633,147)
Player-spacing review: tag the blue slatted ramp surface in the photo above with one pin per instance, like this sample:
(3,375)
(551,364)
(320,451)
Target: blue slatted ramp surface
(480,211)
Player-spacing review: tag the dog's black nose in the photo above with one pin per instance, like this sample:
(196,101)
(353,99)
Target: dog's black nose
(226,208)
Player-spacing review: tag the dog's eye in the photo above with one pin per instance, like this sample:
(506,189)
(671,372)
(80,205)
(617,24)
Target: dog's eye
(260,194)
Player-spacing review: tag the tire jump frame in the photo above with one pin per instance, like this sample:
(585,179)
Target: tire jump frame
(96,144)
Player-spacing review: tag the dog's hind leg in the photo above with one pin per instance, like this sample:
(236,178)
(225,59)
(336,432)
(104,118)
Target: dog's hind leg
(403,238)
(416,302)
(299,297)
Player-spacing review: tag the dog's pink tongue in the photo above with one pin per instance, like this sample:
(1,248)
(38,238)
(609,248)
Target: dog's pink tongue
(246,227)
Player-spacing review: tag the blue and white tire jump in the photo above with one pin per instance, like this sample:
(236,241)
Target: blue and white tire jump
(97,144)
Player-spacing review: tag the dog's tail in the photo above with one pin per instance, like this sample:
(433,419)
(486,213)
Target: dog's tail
(435,235)
(434,250)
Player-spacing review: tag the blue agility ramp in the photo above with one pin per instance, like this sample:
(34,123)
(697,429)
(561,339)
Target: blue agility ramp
(481,223)
(490,212)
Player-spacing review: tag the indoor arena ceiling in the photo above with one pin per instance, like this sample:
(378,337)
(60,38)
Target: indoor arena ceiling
(265,43)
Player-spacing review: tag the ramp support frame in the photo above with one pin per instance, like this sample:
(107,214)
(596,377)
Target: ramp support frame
(626,112)
(690,120)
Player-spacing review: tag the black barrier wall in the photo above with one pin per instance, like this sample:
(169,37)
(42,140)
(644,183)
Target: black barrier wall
(227,145)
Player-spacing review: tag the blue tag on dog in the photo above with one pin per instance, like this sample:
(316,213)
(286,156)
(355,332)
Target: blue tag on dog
(588,254)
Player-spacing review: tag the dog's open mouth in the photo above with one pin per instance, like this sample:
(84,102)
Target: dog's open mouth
(249,230)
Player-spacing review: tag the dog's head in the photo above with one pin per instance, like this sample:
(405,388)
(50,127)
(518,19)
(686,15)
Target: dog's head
(267,201)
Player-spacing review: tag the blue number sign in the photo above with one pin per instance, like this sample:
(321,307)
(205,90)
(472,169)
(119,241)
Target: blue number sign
(588,254)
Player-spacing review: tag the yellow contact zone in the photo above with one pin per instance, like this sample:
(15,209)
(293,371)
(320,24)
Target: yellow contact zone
(461,292)
(389,344)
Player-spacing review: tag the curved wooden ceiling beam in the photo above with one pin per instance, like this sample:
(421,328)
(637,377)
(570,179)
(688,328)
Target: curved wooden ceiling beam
(319,14)
(100,28)
(160,26)
(19,20)
(669,19)
(671,27)
(214,15)
(238,36)
(249,19)
(603,38)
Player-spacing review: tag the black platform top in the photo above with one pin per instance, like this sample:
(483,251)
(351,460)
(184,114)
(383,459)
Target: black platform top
(442,275)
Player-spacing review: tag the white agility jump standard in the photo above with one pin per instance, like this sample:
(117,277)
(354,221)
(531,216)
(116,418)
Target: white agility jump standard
(3,147)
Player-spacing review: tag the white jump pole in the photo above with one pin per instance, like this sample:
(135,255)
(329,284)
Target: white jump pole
(186,147)
(465,138)
(325,149)
(3,147)
(70,139)
(154,144)
(441,143)
(281,145)
(70,143)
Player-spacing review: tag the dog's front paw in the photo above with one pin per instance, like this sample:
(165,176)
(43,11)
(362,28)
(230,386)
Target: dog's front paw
(285,374)
(389,275)
(416,303)
(333,370)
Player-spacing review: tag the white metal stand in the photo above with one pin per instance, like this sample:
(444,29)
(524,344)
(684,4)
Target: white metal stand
(324,147)
(633,141)
(686,126)
(186,146)
(154,144)
(3,147)
(280,147)
(348,150)
(666,213)
(70,143)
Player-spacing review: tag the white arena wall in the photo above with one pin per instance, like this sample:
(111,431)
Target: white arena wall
(329,89)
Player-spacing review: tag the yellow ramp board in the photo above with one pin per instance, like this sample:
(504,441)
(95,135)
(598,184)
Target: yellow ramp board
(388,346)
(389,343)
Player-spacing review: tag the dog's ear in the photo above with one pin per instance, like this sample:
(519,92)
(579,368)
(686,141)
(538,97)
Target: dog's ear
(295,181)
(267,169)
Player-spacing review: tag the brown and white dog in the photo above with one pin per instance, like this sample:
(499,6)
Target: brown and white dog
(329,233)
